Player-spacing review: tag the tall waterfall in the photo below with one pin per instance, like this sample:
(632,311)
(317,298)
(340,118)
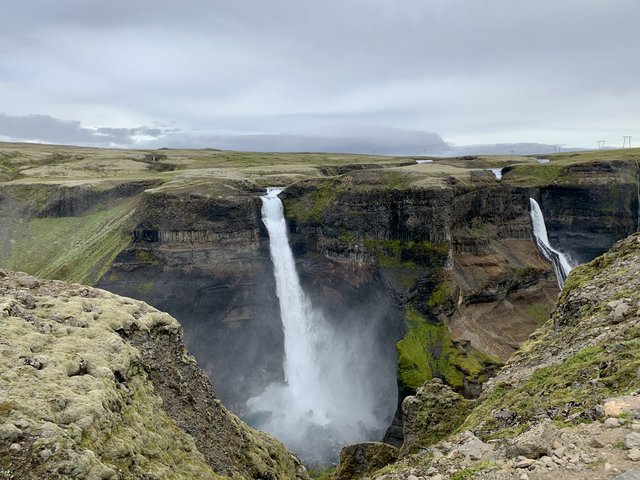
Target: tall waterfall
(561,264)
(331,395)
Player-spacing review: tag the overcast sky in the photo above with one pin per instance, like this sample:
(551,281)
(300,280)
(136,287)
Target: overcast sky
(390,76)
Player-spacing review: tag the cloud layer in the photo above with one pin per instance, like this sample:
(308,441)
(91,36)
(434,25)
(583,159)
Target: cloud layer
(496,71)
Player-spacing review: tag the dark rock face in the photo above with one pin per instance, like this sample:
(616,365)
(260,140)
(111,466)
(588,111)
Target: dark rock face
(210,268)
(227,445)
(585,221)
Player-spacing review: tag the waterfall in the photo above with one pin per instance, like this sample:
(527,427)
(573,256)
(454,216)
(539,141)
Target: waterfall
(497,172)
(561,264)
(331,393)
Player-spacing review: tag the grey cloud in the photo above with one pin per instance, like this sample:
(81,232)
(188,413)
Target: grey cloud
(334,138)
(478,72)
(365,139)
(45,128)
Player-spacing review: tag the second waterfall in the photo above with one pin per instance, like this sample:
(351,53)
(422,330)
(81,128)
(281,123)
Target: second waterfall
(330,395)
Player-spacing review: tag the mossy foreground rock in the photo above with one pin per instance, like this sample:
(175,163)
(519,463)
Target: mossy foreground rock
(98,386)
(361,459)
(433,413)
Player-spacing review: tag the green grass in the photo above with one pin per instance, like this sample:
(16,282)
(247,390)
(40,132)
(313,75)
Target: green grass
(77,249)
(539,312)
(443,293)
(409,255)
(576,385)
(322,474)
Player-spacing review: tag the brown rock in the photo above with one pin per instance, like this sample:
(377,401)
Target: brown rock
(614,407)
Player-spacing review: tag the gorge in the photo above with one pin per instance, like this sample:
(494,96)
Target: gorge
(412,271)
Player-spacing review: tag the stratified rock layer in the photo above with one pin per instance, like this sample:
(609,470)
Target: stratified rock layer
(567,404)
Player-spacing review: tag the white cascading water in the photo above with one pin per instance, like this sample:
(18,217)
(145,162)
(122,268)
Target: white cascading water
(331,395)
(497,172)
(561,264)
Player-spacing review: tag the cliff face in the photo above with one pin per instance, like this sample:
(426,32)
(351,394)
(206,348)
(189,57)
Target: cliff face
(205,259)
(94,385)
(565,405)
(455,249)
(591,213)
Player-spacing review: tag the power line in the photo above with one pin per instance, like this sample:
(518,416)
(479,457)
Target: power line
(626,139)
(601,144)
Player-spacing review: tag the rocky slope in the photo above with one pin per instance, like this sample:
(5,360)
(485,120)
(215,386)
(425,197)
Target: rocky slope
(566,405)
(98,386)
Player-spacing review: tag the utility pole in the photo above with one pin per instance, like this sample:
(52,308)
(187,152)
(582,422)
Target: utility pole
(601,144)
(626,139)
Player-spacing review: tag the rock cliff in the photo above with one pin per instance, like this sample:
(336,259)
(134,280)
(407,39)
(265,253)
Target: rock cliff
(454,248)
(438,257)
(98,386)
(566,404)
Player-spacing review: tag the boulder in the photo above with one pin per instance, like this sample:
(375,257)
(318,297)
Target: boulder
(363,459)
(614,407)
(534,443)
(432,414)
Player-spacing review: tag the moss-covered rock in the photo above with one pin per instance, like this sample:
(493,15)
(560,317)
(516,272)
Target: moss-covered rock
(93,385)
(427,351)
(434,412)
(362,459)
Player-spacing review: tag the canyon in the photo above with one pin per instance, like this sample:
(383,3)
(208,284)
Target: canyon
(434,264)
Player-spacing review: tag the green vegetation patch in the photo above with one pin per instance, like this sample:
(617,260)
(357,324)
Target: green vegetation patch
(427,352)
(470,472)
(442,294)
(536,175)
(538,312)
(394,253)
(310,206)
(322,474)
(76,249)
(574,386)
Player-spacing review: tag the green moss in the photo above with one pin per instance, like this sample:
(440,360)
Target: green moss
(583,274)
(469,472)
(409,255)
(147,257)
(427,351)
(6,407)
(539,312)
(574,386)
(322,474)
(442,294)
(310,207)
(168,452)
